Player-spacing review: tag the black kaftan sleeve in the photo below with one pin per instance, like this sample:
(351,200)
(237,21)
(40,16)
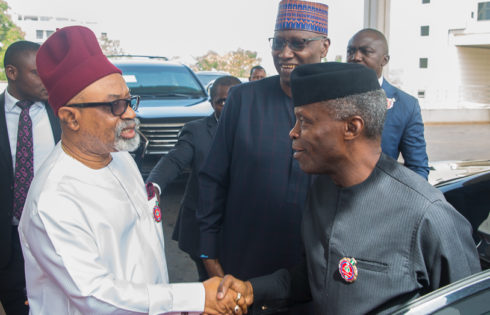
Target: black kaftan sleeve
(282,288)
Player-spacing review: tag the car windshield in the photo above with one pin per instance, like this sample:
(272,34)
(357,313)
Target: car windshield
(161,81)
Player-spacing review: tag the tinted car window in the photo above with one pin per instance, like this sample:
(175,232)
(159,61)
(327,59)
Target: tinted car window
(471,198)
(151,81)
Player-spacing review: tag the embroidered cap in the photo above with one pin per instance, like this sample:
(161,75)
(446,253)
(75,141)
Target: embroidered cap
(69,61)
(303,16)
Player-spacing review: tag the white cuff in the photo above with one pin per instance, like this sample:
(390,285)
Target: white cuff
(177,297)
(158,188)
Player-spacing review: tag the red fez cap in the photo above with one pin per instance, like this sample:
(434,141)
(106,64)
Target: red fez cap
(70,60)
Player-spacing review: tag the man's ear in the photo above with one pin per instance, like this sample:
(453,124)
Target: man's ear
(386,59)
(70,116)
(354,127)
(11,72)
(325,46)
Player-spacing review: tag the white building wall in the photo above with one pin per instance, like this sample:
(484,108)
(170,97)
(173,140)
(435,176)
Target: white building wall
(454,72)
(37,28)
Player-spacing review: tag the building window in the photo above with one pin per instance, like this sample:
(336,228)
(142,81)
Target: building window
(423,63)
(425,1)
(483,11)
(31,18)
(39,34)
(48,33)
(424,30)
(421,93)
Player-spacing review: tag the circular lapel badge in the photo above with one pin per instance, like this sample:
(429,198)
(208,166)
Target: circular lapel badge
(157,213)
(348,269)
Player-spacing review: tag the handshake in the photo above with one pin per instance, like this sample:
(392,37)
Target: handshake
(227,295)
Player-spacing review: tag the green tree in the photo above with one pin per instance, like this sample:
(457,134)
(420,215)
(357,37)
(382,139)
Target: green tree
(237,63)
(9,33)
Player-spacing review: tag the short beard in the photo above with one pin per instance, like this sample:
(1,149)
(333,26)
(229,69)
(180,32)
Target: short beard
(122,144)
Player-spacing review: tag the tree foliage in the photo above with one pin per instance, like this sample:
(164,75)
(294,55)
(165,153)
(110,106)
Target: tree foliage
(109,46)
(9,33)
(237,63)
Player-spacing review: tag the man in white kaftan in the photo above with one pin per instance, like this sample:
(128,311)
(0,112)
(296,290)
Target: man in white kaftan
(81,260)
(91,233)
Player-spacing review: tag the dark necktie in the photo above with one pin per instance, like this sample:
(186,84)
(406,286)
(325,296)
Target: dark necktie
(24,158)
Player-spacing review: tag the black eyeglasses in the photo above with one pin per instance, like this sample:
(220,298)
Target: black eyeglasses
(118,107)
(295,44)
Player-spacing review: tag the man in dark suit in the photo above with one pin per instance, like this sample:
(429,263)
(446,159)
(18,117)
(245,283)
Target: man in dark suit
(24,84)
(191,151)
(403,129)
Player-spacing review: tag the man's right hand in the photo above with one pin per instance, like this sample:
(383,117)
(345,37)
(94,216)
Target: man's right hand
(213,267)
(244,288)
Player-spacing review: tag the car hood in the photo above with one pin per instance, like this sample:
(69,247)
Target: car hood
(445,171)
(175,107)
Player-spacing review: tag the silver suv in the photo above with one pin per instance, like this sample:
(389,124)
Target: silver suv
(171,95)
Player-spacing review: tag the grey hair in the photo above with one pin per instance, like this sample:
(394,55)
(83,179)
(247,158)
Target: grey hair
(371,106)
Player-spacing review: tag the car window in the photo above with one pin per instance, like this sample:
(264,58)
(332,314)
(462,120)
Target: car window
(474,304)
(161,81)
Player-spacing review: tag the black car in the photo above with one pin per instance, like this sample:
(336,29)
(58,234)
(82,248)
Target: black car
(466,186)
(469,296)
(171,95)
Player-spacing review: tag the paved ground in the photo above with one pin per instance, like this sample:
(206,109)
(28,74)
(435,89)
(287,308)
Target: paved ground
(444,142)
(458,142)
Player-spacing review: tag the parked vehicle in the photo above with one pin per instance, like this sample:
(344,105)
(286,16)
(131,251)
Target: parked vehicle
(468,296)
(466,186)
(171,95)
(207,77)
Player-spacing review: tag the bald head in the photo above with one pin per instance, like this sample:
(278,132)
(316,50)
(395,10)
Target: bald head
(374,34)
(370,48)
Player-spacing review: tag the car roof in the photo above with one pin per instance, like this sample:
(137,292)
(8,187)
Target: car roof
(443,172)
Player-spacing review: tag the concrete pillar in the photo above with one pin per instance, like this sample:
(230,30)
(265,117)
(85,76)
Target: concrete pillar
(377,16)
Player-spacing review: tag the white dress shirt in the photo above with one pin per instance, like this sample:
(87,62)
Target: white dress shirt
(91,243)
(42,133)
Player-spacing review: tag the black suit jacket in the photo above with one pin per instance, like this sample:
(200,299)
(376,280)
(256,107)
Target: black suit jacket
(191,150)
(7,180)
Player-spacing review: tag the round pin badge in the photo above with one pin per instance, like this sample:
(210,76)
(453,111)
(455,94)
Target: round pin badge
(348,269)
(157,213)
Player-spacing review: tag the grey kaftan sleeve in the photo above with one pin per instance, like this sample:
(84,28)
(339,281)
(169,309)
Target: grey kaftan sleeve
(443,248)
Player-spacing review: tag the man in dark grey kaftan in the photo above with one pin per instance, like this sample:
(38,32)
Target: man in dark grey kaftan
(407,240)
(375,233)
